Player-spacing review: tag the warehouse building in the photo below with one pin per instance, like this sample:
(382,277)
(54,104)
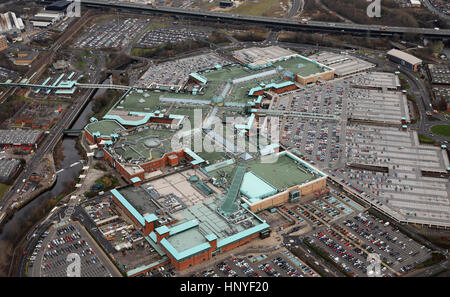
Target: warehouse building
(8,169)
(27,139)
(46,19)
(343,64)
(9,23)
(25,58)
(406,60)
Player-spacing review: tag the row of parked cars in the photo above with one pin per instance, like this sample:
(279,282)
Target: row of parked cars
(36,249)
(342,252)
(62,240)
(226,269)
(64,230)
(285,266)
(380,238)
(209,273)
(245,267)
(309,217)
(268,270)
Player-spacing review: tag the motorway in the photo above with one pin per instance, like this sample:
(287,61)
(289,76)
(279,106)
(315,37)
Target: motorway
(270,21)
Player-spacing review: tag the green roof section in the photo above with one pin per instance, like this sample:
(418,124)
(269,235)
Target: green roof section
(285,172)
(211,237)
(255,188)
(150,218)
(185,244)
(105,128)
(183,227)
(302,66)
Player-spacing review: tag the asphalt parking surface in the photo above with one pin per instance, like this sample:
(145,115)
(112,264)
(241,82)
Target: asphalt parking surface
(64,240)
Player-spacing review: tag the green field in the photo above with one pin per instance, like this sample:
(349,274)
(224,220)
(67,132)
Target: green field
(282,174)
(442,130)
(259,8)
(3,189)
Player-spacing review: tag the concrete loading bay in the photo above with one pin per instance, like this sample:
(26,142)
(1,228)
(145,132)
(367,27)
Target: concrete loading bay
(117,234)
(403,189)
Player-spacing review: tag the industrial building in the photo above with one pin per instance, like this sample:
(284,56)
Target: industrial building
(257,57)
(27,139)
(342,64)
(439,74)
(8,168)
(406,60)
(9,23)
(301,69)
(25,58)
(46,19)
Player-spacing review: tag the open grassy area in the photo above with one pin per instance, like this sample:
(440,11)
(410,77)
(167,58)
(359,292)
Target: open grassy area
(442,130)
(282,174)
(271,8)
(425,139)
(140,52)
(254,8)
(3,189)
(108,182)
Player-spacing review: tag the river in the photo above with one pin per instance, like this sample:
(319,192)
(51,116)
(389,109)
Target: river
(15,229)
